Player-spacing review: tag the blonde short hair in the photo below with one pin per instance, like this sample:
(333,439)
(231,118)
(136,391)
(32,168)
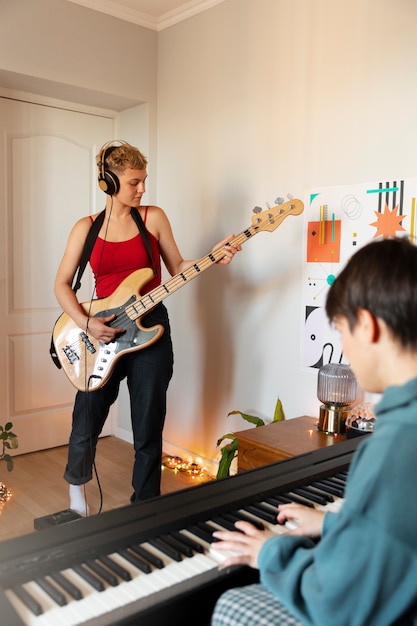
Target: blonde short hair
(118,158)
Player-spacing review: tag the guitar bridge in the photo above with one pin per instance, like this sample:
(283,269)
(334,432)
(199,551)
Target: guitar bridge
(71,355)
(90,347)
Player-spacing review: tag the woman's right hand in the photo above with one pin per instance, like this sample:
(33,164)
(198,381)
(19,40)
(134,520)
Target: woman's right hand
(101,330)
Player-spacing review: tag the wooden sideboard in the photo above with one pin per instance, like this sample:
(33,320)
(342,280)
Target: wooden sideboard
(281,440)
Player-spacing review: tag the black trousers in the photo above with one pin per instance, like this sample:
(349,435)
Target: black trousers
(148,373)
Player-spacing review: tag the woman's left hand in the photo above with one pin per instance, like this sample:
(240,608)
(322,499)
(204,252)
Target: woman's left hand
(229,251)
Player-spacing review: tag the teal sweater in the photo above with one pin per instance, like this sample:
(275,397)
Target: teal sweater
(363,571)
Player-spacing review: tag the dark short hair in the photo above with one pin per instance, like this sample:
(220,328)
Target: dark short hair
(381,277)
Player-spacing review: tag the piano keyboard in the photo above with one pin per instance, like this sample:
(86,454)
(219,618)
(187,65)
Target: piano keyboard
(107,588)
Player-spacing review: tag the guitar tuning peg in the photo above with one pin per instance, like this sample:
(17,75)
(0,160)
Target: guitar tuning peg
(279,200)
(268,206)
(257,209)
(290,196)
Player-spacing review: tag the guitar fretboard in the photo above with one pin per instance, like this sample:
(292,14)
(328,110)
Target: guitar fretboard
(149,300)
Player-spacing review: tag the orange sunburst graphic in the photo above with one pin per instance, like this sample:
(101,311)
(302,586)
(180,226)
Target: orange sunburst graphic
(388,223)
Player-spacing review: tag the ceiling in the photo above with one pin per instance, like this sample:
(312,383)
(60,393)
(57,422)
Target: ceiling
(154,14)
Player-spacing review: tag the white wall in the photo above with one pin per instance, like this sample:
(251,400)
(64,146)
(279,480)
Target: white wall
(248,100)
(258,98)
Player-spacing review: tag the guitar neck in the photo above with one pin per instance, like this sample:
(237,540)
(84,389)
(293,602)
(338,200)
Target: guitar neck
(267,220)
(157,295)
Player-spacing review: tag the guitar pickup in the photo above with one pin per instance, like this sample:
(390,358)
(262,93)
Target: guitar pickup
(90,347)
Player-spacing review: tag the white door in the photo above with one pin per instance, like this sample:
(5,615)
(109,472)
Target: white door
(47,181)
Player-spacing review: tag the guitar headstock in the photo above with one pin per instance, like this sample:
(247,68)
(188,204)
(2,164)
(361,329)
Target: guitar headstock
(273,216)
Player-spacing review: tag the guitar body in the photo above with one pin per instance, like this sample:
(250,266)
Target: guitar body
(86,361)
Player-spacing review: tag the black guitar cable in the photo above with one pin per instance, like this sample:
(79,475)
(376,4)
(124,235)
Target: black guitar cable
(87,378)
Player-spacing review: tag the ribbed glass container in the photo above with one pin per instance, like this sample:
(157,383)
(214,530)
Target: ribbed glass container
(336,385)
(337,390)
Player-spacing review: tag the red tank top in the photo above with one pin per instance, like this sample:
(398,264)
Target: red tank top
(113,261)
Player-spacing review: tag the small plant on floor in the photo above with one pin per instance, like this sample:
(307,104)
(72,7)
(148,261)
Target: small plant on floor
(229,450)
(8,441)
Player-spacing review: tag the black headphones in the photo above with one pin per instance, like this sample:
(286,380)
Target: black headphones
(107,180)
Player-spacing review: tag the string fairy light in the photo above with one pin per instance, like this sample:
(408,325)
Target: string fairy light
(177,464)
(5,494)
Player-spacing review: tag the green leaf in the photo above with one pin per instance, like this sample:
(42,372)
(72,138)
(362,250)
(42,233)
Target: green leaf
(228,453)
(279,413)
(8,426)
(228,436)
(248,418)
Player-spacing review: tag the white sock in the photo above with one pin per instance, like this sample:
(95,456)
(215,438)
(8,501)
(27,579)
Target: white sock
(77,500)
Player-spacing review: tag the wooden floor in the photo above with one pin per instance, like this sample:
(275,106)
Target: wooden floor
(38,487)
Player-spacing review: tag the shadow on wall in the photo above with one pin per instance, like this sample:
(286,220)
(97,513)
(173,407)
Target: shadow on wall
(216,327)
(226,304)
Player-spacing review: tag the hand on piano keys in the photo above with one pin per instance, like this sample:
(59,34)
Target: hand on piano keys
(301,520)
(241,546)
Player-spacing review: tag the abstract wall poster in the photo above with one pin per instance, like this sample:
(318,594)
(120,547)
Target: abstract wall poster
(337,222)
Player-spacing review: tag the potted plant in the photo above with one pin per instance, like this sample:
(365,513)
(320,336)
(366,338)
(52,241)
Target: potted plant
(8,441)
(229,450)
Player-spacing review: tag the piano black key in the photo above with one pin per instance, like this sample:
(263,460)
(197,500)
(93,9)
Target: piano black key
(89,577)
(335,491)
(115,567)
(178,544)
(163,547)
(327,496)
(342,475)
(209,528)
(277,500)
(240,516)
(310,496)
(335,481)
(136,561)
(28,600)
(103,573)
(148,556)
(338,487)
(194,545)
(299,500)
(259,511)
(225,523)
(55,594)
(67,585)
(201,534)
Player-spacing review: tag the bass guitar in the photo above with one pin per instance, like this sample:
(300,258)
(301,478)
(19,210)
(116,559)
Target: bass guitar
(88,362)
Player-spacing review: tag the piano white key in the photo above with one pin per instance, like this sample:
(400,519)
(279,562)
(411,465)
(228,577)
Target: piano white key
(52,615)
(27,616)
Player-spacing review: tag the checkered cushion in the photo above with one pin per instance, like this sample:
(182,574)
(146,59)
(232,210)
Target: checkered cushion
(253,605)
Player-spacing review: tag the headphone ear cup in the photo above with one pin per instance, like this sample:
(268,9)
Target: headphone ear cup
(109,183)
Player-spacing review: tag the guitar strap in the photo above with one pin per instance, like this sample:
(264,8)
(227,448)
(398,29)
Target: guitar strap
(86,253)
(88,248)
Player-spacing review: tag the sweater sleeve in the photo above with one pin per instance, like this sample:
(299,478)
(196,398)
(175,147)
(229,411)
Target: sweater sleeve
(340,576)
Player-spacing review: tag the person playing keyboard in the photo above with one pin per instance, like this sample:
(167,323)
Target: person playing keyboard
(363,570)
